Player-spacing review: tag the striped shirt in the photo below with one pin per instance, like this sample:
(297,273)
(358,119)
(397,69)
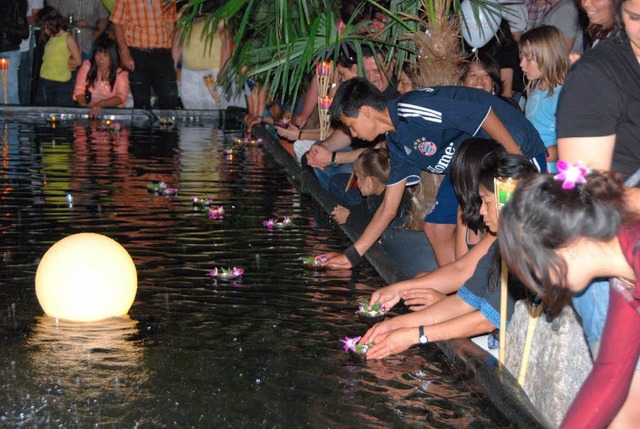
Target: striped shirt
(88,10)
(147,23)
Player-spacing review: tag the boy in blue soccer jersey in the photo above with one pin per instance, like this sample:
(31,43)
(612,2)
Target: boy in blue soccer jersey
(423,131)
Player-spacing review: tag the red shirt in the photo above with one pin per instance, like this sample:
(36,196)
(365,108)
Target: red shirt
(605,390)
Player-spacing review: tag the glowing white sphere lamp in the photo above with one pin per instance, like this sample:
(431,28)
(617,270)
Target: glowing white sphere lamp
(86,277)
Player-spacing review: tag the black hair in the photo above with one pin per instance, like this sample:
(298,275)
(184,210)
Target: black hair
(543,217)
(503,165)
(499,164)
(465,169)
(352,95)
(488,64)
(348,56)
(104,44)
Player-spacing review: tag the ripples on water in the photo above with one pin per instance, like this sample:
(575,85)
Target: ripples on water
(264,352)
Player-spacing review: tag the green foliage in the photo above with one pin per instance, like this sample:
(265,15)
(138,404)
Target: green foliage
(277,43)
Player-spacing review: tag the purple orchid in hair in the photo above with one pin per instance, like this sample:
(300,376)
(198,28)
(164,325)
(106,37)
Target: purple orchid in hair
(350,343)
(571,174)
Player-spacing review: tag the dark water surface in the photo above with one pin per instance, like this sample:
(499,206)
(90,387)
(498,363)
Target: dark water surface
(263,352)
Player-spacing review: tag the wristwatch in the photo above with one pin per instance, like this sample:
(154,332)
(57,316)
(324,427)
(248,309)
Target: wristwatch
(334,163)
(422,338)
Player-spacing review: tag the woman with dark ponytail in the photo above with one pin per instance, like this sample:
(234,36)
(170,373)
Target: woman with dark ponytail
(556,235)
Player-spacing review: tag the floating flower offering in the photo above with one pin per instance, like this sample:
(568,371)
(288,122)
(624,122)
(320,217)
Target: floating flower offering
(226,273)
(284,122)
(371,313)
(216,213)
(228,150)
(253,141)
(356,350)
(200,203)
(270,224)
(109,125)
(315,262)
(161,188)
(167,120)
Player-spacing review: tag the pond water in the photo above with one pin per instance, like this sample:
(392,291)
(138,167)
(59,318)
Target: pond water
(260,352)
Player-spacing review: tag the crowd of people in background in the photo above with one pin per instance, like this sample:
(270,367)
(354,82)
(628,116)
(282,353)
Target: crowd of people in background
(424,156)
(78,53)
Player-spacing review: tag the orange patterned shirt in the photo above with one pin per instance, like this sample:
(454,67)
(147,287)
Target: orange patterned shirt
(147,23)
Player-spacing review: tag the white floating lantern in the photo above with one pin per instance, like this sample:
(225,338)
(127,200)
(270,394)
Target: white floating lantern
(85,278)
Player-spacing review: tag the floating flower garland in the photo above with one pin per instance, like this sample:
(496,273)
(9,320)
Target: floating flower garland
(226,273)
(161,188)
(271,224)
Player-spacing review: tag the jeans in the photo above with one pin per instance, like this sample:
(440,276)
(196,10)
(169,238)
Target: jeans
(592,305)
(337,185)
(153,69)
(12,78)
(25,77)
(51,93)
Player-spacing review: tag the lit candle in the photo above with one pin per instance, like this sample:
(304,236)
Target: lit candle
(323,68)
(325,103)
(4,64)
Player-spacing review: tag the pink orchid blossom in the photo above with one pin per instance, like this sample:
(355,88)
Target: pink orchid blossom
(237,272)
(214,272)
(269,223)
(350,343)
(571,174)
(215,212)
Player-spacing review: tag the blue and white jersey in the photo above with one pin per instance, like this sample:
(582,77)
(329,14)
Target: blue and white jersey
(431,123)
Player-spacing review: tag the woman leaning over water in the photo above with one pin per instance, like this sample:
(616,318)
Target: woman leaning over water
(557,234)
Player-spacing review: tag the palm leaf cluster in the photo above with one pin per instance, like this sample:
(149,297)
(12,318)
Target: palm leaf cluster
(277,43)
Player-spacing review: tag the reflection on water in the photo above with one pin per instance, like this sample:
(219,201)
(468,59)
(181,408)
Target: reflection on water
(261,352)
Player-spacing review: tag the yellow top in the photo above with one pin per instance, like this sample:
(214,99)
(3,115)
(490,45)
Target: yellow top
(55,61)
(198,53)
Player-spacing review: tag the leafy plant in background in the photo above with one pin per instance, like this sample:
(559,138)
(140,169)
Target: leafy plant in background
(277,43)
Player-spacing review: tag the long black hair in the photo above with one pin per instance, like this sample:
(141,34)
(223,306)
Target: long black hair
(104,44)
(465,169)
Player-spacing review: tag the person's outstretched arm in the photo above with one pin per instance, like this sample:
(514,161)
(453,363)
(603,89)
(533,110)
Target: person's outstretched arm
(380,221)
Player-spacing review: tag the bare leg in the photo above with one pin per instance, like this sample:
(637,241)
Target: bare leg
(442,239)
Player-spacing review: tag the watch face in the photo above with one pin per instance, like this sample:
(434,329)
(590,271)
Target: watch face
(423,339)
